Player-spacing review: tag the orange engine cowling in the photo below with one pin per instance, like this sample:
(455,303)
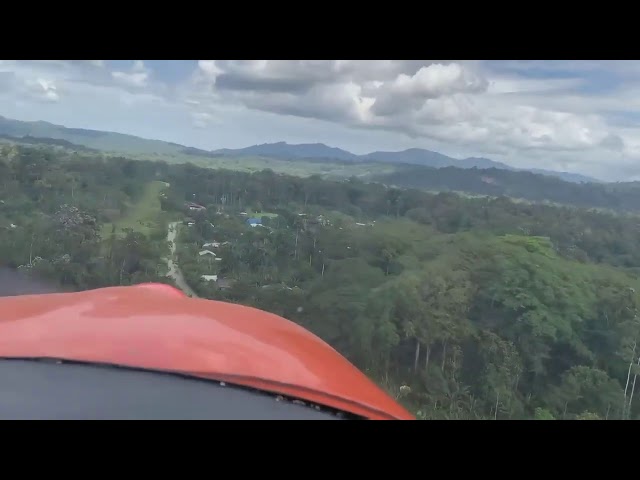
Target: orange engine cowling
(149,351)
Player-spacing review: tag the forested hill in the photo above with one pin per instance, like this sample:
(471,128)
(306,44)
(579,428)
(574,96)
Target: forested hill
(623,197)
(95,139)
(411,156)
(484,308)
(314,152)
(29,140)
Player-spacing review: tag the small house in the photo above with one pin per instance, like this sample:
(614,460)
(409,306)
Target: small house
(210,278)
(211,244)
(254,222)
(207,252)
(195,207)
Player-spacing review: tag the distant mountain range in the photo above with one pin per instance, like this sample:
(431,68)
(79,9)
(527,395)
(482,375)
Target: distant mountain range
(413,156)
(94,139)
(38,132)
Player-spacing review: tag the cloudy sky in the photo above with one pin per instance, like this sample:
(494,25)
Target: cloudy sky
(580,116)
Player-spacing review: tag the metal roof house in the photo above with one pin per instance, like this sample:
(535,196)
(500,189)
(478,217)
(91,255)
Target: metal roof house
(195,206)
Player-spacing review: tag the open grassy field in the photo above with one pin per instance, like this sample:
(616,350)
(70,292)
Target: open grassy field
(144,215)
(299,167)
(251,214)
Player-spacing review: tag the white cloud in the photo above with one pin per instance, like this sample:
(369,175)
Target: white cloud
(582,115)
(201,119)
(44,89)
(530,121)
(209,68)
(138,77)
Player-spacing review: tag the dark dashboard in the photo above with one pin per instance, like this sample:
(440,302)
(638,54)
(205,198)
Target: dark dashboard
(54,389)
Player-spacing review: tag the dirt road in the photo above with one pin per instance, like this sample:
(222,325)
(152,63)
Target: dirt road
(174,270)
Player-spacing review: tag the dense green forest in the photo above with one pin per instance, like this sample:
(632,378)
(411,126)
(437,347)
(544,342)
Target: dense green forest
(481,308)
(538,187)
(495,182)
(53,210)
